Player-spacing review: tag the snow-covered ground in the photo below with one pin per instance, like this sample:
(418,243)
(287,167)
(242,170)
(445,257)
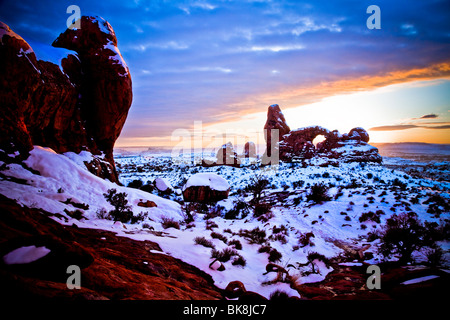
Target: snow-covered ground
(354,189)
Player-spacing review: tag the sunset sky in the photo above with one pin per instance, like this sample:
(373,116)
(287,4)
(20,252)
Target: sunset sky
(222,63)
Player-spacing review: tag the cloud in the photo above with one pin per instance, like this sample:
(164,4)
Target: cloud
(429,116)
(394,127)
(408,126)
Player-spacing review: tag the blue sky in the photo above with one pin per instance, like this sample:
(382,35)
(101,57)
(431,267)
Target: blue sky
(221,61)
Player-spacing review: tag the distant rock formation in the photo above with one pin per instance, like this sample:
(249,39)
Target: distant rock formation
(275,121)
(81,107)
(227,155)
(298,144)
(249,150)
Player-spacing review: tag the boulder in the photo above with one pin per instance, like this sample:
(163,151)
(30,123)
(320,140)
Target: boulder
(205,187)
(234,289)
(163,185)
(146,204)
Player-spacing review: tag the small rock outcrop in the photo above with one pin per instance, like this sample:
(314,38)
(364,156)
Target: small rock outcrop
(298,144)
(80,105)
(205,187)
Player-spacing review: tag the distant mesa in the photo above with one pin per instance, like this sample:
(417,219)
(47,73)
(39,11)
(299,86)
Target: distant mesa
(295,145)
(81,107)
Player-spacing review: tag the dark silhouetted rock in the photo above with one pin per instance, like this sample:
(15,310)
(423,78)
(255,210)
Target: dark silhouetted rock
(81,107)
(234,289)
(298,144)
(275,121)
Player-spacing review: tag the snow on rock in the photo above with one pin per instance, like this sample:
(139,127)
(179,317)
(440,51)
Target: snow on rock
(26,254)
(162,184)
(211,180)
(62,178)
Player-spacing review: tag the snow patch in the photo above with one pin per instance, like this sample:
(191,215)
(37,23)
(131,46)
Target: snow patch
(418,280)
(24,255)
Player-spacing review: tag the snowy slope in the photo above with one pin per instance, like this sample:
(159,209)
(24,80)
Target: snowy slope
(354,189)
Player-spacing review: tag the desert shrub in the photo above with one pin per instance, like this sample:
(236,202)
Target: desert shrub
(148,187)
(219,236)
(372,236)
(265,248)
(214,211)
(280,237)
(261,209)
(318,193)
(281,229)
(398,183)
(240,210)
(305,239)
(239,261)
(204,242)
(122,211)
(402,235)
(103,214)
(235,244)
(279,295)
(316,256)
(437,204)
(224,255)
(435,256)
(76,214)
(255,235)
(82,206)
(369,216)
(274,255)
(258,183)
(169,223)
(136,184)
(140,217)
(211,225)
(298,184)
(297,201)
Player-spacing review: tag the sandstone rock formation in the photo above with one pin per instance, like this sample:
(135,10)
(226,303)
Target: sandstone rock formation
(249,150)
(226,155)
(205,187)
(80,106)
(298,144)
(275,121)
(114,268)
